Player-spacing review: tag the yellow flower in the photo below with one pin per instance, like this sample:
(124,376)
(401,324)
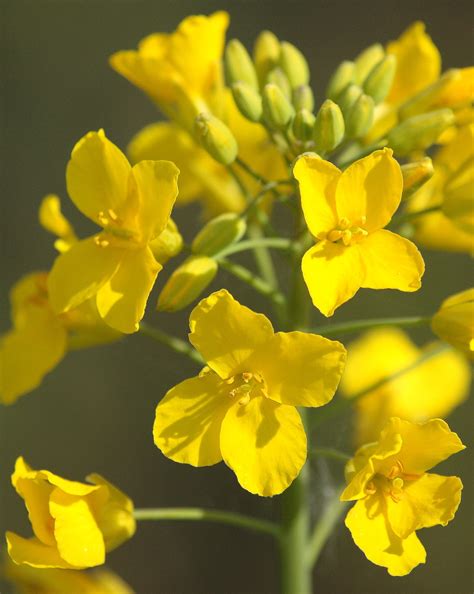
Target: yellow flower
(74,524)
(396,496)
(40,338)
(451,187)
(347,211)
(132,205)
(242,407)
(52,219)
(431,389)
(454,321)
(181,71)
(30,580)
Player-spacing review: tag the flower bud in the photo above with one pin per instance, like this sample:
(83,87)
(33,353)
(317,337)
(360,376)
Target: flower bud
(329,127)
(416,174)
(348,97)
(366,60)
(216,138)
(342,77)
(303,98)
(380,79)
(248,101)
(277,110)
(303,125)
(294,65)
(218,233)
(419,132)
(360,117)
(279,78)
(168,243)
(458,203)
(186,283)
(266,54)
(454,321)
(238,65)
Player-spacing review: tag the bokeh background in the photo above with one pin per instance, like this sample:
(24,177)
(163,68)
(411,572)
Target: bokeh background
(95,411)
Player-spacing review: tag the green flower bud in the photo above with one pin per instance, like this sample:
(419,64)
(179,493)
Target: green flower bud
(329,127)
(424,100)
(277,110)
(342,77)
(380,79)
(168,243)
(216,138)
(366,60)
(266,54)
(238,65)
(248,101)
(303,98)
(294,65)
(360,117)
(278,77)
(415,175)
(186,283)
(218,233)
(303,125)
(419,132)
(348,97)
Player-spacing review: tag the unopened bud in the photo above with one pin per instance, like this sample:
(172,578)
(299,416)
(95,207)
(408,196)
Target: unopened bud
(348,97)
(458,203)
(294,65)
(453,322)
(266,54)
(277,110)
(219,233)
(216,138)
(419,132)
(303,98)
(380,79)
(366,60)
(238,65)
(416,174)
(342,77)
(328,128)
(278,77)
(168,243)
(186,283)
(303,125)
(360,117)
(248,101)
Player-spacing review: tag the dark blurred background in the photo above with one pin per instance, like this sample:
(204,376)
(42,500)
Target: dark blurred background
(95,411)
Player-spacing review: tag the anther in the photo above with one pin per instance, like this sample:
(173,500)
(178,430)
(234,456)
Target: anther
(346,237)
(334,235)
(344,223)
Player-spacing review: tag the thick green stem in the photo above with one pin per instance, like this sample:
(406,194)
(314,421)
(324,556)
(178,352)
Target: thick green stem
(207,515)
(263,257)
(323,529)
(357,325)
(175,344)
(279,243)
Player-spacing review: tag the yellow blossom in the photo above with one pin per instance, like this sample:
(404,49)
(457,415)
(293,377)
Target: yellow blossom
(181,71)
(241,408)
(432,388)
(454,321)
(117,266)
(347,212)
(396,496)
(74,524)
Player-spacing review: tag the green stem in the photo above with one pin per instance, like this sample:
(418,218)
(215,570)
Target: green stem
(175,344)
(263,257)
(257,177)
(330,453)
(323,529)
(409,216)
(357,325)
(207,515)
(259,242)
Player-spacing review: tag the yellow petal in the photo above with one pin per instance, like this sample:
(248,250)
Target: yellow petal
(188,420)
(391,262)
(33,552)
(333,274)
(97,178)
(80,272)
(79,540)
(373,535)
(227,333)
(264,443)
(301,369)
(121,301)
(371,188)
(418,63)
(454,322)
(156,189)
(53,220)
(428,501)
(317,181)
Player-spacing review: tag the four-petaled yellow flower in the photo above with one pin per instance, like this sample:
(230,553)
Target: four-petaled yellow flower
(242,407)
(117,266)
(394,494)
(75,524)
(454,321)
(432,386)
(347,211)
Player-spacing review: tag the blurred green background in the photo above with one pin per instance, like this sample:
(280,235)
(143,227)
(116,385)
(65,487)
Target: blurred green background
(95,411)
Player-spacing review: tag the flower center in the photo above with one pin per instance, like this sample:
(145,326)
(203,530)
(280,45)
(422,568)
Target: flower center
(245,386)
(112,224)
(391,484)
(347,232)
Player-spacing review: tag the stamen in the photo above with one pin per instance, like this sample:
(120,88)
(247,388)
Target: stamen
(344,223)
(334,235)
(346,237)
